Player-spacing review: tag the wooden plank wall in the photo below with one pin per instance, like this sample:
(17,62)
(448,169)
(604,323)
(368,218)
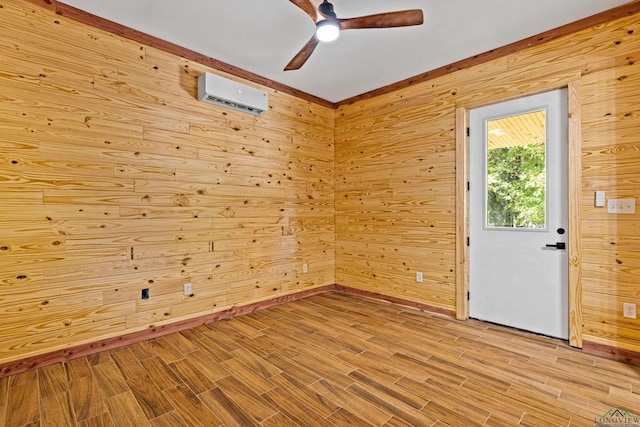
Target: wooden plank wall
(396,174)
(114,178)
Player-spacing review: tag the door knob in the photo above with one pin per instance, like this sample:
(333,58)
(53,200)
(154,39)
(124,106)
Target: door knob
(559,245)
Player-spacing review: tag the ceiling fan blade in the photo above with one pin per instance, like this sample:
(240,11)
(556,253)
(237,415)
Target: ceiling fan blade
(308,8)
(302,56)
(403,18)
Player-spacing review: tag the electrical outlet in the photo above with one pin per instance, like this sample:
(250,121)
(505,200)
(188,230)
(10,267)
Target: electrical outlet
(145,293)
(305,268)
(187,290)
(419,276)
(621,206)
(629,310)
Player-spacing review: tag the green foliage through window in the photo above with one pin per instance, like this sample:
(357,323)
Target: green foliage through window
(516,184)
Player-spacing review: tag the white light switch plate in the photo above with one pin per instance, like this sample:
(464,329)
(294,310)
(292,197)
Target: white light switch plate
(621,206)
(599,199)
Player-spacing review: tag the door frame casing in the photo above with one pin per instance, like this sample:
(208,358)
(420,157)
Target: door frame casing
(574,181)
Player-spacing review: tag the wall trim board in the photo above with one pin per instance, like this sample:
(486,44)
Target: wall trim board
(79,15)
(395,300)
(34,362)
(575,216)
(611,352)
(462,214)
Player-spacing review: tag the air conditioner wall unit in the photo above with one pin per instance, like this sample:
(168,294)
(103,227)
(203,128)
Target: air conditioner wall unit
(230,94)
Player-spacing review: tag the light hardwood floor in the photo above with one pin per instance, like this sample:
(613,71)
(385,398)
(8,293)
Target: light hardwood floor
(330,359)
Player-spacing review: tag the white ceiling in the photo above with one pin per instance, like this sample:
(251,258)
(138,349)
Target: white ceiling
(261,36)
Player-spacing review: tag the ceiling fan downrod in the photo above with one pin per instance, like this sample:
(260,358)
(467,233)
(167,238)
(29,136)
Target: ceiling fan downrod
(326,10)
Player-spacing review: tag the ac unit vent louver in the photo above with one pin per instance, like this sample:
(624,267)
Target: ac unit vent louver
(217,90)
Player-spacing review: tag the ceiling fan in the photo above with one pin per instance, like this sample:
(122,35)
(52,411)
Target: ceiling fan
(328,25)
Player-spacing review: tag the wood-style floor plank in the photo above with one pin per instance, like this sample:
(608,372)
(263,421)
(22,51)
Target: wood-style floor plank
(22,403)
(56,410)
(279,420)
(327,360)
(192,376)
(161,373)
(125,411)
(4,391)
(149,396)
(128,364)
(289,406)
(192,410)
(231,413)
(86,399)
(102,420)
(247,398)
(109,379)
(372,414)
(52,381)
(170,419)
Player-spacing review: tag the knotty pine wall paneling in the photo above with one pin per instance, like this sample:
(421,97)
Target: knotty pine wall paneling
(114,178)
(396,175)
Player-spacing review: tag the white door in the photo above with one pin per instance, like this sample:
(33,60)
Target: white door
(518,221)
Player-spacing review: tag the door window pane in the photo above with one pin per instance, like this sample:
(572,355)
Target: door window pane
(516,171)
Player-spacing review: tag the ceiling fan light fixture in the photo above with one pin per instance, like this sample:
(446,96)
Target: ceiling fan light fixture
(327,30)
